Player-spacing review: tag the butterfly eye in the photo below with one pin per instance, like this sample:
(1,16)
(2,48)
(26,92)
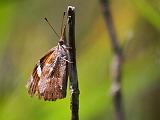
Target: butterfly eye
(61,42)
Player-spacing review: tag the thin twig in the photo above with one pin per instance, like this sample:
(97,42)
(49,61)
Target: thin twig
(74,90)
(117,62)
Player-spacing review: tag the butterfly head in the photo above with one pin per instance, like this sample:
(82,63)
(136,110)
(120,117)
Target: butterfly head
(61,42)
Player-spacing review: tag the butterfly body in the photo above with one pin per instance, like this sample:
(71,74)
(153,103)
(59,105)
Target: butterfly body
(49,77)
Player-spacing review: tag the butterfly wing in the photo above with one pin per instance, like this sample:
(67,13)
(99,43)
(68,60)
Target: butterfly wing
(35,76)
(53,82)
(49,77)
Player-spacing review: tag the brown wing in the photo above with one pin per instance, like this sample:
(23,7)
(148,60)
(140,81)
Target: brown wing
(34,79)
(53,82)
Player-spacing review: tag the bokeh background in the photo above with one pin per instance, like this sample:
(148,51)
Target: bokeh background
(25,37)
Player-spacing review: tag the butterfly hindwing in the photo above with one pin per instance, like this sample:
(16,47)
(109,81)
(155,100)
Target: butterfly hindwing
(53,82)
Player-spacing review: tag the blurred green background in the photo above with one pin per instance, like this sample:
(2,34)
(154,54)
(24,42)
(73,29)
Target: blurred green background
(25,37)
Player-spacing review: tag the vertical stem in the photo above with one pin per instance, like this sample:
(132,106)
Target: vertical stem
(74,90)
(117,62)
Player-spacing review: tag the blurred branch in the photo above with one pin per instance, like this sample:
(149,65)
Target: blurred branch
(117,62)
(74,90)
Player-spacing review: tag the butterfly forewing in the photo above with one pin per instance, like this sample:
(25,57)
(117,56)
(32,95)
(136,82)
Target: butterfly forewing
(49,77)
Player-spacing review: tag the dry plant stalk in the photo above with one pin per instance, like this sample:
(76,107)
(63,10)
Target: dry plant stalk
(74,90)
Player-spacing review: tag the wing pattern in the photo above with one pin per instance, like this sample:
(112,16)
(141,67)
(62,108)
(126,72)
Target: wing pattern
(49,77)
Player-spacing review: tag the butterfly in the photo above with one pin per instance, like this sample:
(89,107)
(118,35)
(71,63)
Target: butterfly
(49,77)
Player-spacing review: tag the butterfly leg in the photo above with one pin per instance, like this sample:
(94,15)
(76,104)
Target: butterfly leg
(68,48)
(66,60)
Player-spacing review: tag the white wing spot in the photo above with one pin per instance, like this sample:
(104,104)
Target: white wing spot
(39,72)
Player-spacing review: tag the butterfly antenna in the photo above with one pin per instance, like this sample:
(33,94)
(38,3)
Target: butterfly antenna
(52,27)
(63,32)
(62,23)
